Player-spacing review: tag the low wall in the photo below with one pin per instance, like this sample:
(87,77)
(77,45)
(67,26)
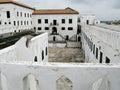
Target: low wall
(73,44)
(48,76)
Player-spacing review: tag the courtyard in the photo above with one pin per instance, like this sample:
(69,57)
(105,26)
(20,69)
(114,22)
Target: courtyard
(57,54)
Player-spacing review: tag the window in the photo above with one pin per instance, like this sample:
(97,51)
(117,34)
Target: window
(8,14)
(96,53)
(94,49)
(46,51)
(78,29)
(107,60)
(46,20)
(42,55)
(63,20)
(101,56)
(28,14)
(25,14)
(0,23)
(9,22)
(39,20)
(24,22)
(14,23)
(21,22)
(70,28)
(54,22)
(39,28)
(63,28)
(27,22)
(18,23)
(46,28)
(18,14)
(70,21)
(35,59)
(21,14)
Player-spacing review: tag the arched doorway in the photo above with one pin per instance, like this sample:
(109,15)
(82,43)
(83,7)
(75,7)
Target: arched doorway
(54,30)
(64,83)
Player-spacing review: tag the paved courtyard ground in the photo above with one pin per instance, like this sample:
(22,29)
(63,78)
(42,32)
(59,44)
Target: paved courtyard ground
(65,55)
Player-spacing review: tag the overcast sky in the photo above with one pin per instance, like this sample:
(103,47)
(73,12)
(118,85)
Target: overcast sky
(103,9)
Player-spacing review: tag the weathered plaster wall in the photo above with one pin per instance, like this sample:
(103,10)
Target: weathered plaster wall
(81,76)
(106,40)
(21,52)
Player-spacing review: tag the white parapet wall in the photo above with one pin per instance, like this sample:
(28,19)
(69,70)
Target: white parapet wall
(28,48)
(53,76)
(101,44)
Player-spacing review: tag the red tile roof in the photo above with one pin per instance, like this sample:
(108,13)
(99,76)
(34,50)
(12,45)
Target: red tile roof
(56,11)
(17,3)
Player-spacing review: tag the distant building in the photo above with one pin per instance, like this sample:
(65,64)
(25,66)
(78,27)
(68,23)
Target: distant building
(88,19)
(61,24)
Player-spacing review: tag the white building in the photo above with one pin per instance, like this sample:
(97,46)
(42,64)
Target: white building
(61,24)
(15,16)
(88,19)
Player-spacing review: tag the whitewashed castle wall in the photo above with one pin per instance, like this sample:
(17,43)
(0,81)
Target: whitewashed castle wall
(82,76)
(20,52)
(107,42)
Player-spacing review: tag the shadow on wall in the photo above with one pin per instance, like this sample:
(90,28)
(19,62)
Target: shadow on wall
(30,83)
(3,82)
(102,84)
(64,83)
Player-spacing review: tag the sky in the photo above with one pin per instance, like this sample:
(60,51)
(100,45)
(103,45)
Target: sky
(103,9)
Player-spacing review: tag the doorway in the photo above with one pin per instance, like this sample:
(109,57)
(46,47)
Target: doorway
(54,30)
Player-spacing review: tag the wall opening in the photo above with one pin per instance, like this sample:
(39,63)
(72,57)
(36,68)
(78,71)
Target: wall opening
(87,22)
(54,30)
(64,83)
(35,59)
(96,53)
(46,50)
(101,57)
(42,55)
(8,14)
(67,37)
(79,29)
(30,83)
(54,38)
(107,60)
(94,49)
(79,39)
(54,22)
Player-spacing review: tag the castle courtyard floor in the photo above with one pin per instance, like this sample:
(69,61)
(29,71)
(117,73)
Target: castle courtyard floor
(65,55)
